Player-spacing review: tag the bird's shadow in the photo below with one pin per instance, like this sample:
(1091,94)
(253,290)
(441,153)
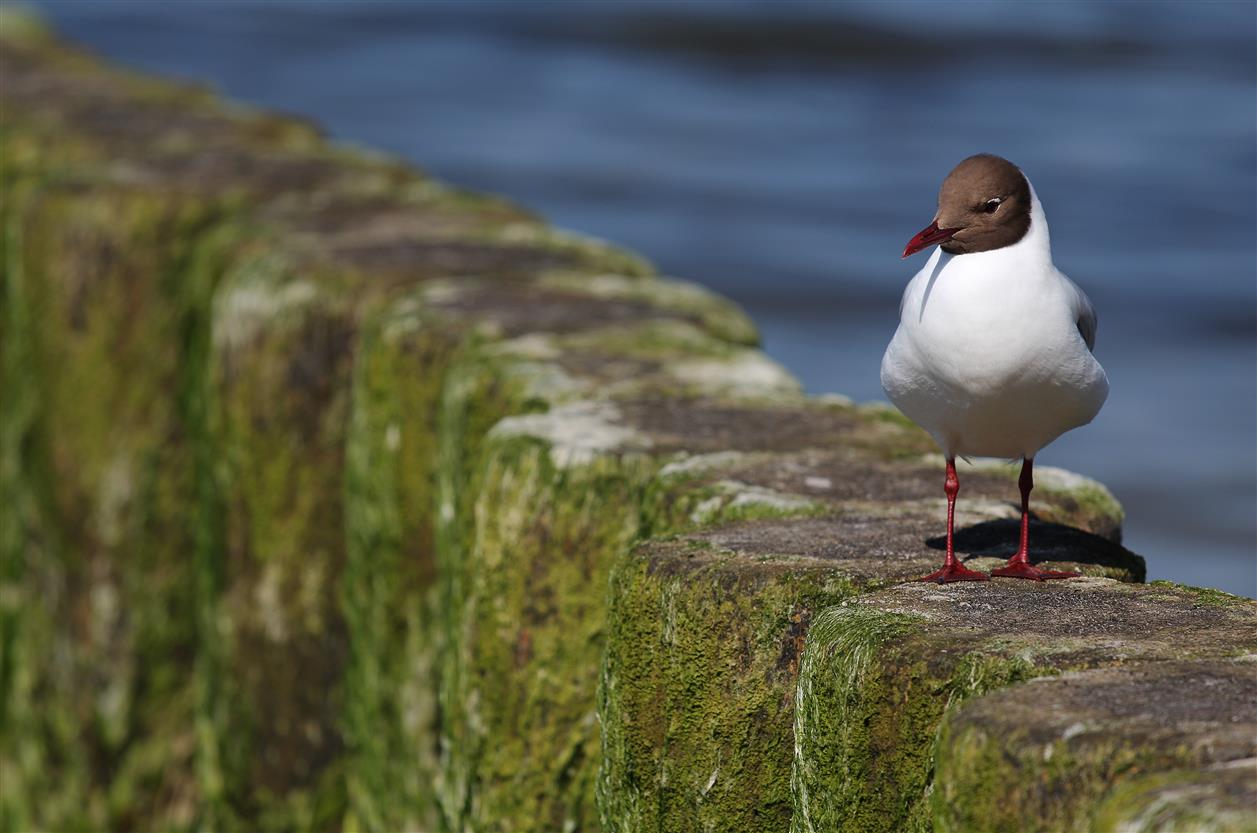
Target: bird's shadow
(1048,542)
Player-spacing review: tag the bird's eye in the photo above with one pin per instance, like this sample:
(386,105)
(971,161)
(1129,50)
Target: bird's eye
(992,205)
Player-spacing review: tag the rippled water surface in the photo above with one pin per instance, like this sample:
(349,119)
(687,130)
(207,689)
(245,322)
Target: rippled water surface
(783,153)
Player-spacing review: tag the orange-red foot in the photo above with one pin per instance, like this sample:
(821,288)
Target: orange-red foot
(957,572)
(1023,569)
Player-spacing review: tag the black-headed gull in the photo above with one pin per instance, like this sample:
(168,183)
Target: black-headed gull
(993,351)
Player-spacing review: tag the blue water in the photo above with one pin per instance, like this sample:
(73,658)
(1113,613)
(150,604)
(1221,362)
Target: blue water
(782,153)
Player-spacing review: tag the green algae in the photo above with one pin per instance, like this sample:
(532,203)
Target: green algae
(1206,596)
(984,791)
(1216,800)
(390,575)
(697,690)
(19,24)
(526,539)
(281,380)
(1051,756)
(28,541)
(473,397)
(834,729)
(117,455)
(867,710)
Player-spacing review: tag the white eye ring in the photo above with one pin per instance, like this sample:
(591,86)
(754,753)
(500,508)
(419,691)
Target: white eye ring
(992,205)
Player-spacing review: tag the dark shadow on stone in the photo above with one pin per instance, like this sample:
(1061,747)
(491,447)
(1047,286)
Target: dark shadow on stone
(1048,542)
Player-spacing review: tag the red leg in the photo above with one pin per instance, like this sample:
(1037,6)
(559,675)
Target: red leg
(1019,565)
(952,569)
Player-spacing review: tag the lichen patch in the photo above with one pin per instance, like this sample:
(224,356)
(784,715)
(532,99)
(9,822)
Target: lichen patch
(577,432)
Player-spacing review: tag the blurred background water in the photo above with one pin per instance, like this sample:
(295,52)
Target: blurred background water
(782,153)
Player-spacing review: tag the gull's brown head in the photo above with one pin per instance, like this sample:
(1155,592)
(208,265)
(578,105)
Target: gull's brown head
(984,204)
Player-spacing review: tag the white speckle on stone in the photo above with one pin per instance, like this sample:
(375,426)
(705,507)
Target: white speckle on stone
(242,311)
(748,373)
(105,608)
(1073,730)
(699,463)
(578,432)
(267,599)
(711,782)
(746,495)
(524,232)
(1092,582)
(544,380)
(488,329)
(982,509)
(539,346)
(312,730)
(403,318)
(1238,763)
(117,487)
(734,495)
(665,293)
(1061,480)
(442,292)
(1055,478)
(707,510)
(392,437)
(820,484)
(600,286)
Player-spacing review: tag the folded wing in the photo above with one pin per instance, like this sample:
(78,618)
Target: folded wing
(1084,314)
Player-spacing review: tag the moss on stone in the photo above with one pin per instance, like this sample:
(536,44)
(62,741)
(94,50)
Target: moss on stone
(1204,595)
(865,743)
(841,514)
(19,25)
(697,688)
(113,449)
(867,705)
(1048,756)
(280,374)
(527,534)
(1218,799)
(390,575)
(535,510)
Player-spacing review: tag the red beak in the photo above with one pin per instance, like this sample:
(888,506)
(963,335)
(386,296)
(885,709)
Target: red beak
(928,237)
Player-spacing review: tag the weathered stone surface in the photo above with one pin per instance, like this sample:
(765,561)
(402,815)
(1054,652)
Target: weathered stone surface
(534,509)
(101,462)
(320,472)
(706,627)
(390,574)
(880,673)
(185,286)
(1047,754)
(1221,798)
(696,700)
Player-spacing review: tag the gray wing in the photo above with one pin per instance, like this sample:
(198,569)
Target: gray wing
(1084,315)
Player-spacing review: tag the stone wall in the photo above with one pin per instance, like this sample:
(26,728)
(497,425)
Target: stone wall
(335,498)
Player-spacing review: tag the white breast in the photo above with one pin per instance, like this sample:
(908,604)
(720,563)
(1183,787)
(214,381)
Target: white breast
(988,357)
